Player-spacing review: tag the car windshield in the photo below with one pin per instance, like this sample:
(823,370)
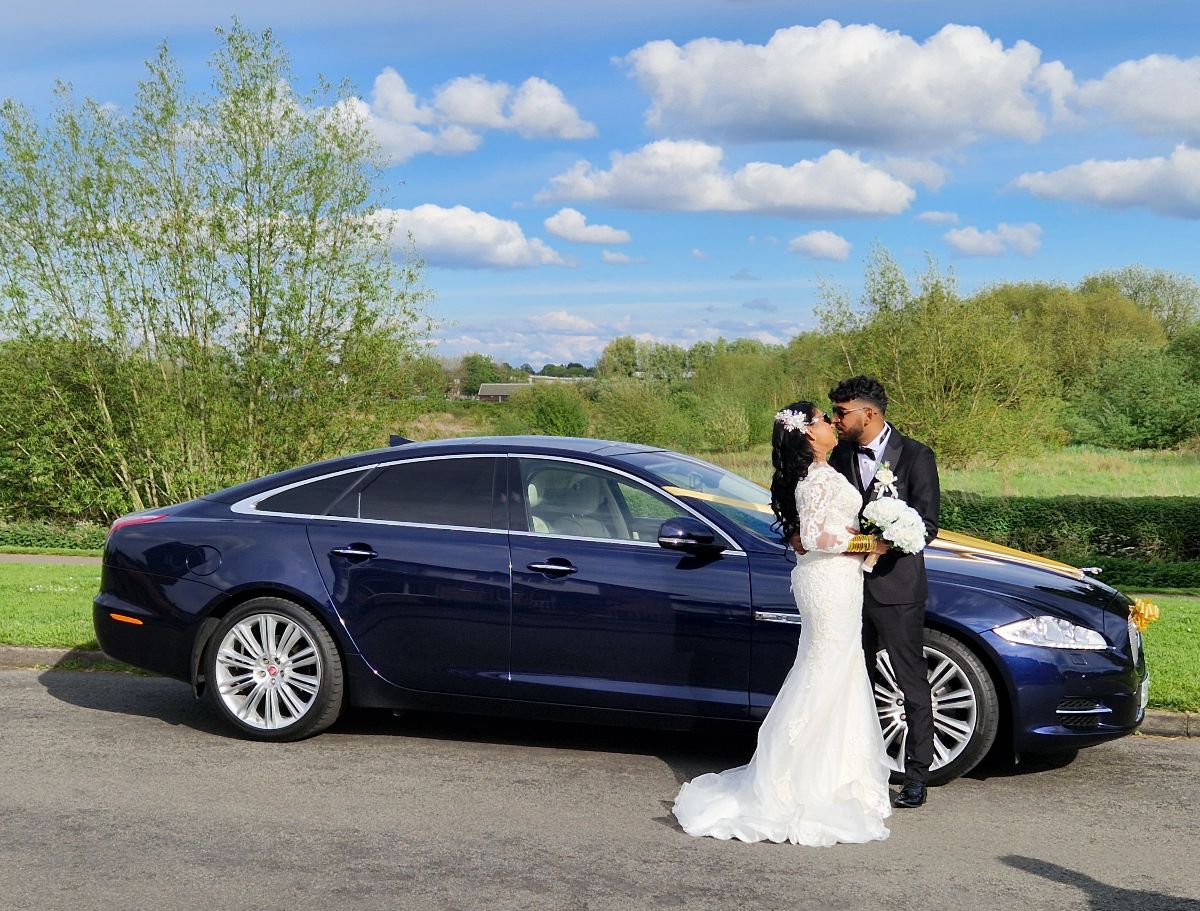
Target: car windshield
(733,496)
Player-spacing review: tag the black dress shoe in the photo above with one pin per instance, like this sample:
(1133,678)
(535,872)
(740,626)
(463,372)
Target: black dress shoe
(911,796)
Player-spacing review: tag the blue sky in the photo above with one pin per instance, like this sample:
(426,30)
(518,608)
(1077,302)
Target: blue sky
(678,171)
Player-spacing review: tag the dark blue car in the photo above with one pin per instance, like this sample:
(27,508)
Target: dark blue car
(575,579)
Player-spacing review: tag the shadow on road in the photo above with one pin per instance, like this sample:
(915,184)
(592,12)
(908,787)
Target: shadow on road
(166,700)
(1101,896)
(687,753)
(1000,764)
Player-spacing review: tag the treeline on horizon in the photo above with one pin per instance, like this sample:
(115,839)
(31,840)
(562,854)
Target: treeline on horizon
(1017,367)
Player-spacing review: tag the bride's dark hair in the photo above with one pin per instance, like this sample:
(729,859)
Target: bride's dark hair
(791,454)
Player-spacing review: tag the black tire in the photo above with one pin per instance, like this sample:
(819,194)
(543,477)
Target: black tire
(964,730)
(274,672)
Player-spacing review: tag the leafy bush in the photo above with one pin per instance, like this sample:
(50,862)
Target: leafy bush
(51,537)
(1139,400)
(553,409)
(637,412)
(1135,539)
(726,427)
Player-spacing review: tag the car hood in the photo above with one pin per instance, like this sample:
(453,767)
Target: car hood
(1035,582)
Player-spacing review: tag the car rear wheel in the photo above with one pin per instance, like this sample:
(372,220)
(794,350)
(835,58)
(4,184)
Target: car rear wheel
(966,710)
(274,671)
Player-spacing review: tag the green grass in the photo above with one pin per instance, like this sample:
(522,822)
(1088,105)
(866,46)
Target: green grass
(47,606)
(1075,470)
(51,606)
(1083,471)
(1173,654)
(52,551)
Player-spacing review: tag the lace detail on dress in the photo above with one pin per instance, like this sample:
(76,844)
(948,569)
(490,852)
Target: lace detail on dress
(826,504)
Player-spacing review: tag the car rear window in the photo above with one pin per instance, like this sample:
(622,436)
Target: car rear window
(314,498)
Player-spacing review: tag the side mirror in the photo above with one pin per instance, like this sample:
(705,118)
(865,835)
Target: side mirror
(689,535)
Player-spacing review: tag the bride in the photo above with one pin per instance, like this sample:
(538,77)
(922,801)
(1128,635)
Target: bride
(819,774)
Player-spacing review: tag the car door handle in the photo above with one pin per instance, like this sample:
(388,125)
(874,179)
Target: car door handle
(354,552)
(770,616)
(564,568)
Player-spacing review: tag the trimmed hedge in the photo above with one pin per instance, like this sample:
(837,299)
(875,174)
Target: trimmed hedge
(1150,542)
(48,536)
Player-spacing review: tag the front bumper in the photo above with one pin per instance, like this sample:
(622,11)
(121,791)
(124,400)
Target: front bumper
(1066,699)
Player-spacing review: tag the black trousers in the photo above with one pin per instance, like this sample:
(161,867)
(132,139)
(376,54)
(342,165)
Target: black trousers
(899,629)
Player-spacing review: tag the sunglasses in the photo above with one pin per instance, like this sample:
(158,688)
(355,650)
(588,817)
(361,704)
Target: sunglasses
(839,412)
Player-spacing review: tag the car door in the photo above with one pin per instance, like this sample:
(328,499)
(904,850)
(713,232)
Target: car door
(415,559)
(605,616)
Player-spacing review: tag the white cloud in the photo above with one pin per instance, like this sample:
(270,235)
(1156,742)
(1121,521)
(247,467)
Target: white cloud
(571,224)
(1159,94)
(688,177)
(561,320)
(404,126)
(697,253)
(473,101)
(821,245)
(463,238)
(857,84)
(924,171)
(615,258)
(938,218)
(1168,186)
(540,109)
(1024,239)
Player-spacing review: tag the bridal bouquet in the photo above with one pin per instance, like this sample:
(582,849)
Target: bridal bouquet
(897,523)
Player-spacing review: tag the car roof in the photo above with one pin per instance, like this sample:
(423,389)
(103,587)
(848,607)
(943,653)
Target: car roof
(543,445)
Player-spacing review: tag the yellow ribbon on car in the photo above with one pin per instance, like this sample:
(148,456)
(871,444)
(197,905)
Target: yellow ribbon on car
(717,498)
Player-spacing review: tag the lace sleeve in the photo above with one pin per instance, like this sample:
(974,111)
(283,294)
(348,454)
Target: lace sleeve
(818,521)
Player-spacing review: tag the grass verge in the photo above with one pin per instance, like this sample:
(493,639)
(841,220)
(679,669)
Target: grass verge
(50,606)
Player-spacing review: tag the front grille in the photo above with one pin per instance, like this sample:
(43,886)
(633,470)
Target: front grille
(1081,712)
(1079,704)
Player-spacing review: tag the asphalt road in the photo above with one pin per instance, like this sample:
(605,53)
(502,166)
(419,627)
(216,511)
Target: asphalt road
(118,791)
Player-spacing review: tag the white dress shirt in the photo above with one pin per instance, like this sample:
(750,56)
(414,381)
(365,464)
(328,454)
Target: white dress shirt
(867,465)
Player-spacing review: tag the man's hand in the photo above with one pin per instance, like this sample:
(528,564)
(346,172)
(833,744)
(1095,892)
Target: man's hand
(881,547)
(796,544)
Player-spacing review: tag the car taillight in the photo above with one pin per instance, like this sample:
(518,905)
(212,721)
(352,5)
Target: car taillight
(134,520)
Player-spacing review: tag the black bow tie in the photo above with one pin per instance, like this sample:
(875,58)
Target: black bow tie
(866,450)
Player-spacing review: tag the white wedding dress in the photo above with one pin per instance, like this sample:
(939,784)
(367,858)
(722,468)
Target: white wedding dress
(819,775)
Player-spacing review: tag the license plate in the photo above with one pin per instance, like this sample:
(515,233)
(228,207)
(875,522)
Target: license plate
(1143,695)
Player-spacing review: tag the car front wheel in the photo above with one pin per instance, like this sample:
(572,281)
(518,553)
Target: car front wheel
(966,710)
(274,671)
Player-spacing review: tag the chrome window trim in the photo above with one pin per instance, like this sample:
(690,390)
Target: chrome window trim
(732,550)
(248,506)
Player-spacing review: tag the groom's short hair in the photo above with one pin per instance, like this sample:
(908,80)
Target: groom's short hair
(866,388)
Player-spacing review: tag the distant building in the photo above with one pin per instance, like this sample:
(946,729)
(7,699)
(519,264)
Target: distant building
(501,392)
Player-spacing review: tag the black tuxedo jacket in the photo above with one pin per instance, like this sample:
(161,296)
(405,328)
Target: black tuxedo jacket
(899,578)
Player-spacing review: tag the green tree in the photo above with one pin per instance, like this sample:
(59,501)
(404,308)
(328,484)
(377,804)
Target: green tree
(959,372)
(212,269)
(1074,332)
(477,369)
(1173,299)
(619,359)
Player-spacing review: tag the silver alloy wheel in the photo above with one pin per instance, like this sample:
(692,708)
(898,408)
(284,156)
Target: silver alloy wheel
(955,709)
(268,671)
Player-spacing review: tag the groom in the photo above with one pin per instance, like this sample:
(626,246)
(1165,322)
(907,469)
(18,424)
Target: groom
(894,593)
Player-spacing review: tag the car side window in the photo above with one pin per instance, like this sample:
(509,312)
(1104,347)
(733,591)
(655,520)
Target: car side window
(454,491)
(314,498)
(578,501)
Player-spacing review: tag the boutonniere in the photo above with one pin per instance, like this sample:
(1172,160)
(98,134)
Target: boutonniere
(885,480)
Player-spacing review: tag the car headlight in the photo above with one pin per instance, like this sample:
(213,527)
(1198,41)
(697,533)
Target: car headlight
(1051,632)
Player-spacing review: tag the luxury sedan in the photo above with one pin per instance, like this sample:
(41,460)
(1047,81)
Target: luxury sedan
(580,580)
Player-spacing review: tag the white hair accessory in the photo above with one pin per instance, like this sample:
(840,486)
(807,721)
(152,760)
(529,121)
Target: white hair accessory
(793,420)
